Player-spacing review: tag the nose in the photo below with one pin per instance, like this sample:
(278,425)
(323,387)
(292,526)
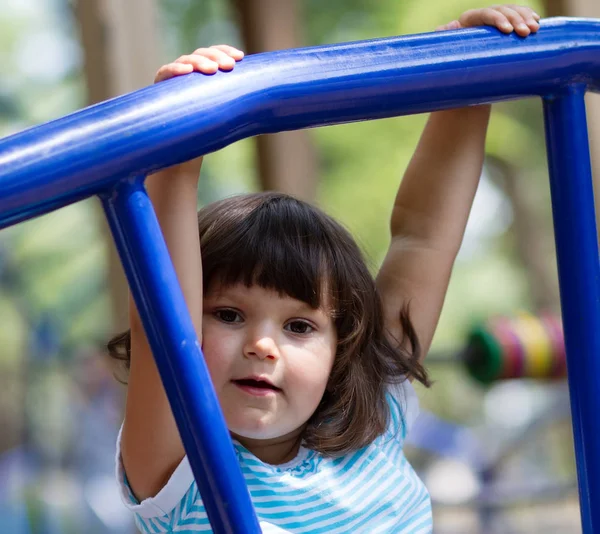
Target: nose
(262,347)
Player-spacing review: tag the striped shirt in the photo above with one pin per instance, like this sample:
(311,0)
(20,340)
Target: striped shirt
(372,490)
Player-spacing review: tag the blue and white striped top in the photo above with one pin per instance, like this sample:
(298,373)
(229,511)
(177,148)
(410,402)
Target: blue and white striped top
(371,490)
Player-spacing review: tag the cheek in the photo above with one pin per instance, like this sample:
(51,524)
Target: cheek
(311,379)
(310,371)
(217,350)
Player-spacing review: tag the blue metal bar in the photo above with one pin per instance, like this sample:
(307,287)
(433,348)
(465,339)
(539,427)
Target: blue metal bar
(100,148)
(579,276)
(79,155)
(179,359)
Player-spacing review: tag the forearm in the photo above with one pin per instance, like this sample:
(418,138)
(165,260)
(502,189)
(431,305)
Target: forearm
(173,192)
(150,443)
(429,218)
(434,199)
(151,446)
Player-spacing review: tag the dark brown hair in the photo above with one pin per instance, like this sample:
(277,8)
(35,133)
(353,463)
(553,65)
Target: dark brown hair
(281,243)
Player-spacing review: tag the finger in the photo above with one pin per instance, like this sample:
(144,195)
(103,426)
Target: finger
(230,51)
(454,25)
(487,16)
(526,11)
(530,17)
(200,63)
(171,70)
(516,19)
(223,60)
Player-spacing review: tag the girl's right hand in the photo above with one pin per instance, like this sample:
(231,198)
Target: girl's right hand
(507,18)
(205,60)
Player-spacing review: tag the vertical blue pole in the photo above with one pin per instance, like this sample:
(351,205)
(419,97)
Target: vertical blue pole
(579,277)
(175,346)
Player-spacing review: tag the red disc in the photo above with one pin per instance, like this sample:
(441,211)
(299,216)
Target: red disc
(554,329)
(513,352)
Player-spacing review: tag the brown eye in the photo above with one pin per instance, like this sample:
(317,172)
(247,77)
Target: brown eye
(228,316)
(299,327)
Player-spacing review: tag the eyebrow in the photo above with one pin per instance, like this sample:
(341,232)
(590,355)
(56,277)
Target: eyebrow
(300,305)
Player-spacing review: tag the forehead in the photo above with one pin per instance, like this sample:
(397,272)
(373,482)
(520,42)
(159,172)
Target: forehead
(249,293)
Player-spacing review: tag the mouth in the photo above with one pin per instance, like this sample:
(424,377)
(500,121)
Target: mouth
(256,386)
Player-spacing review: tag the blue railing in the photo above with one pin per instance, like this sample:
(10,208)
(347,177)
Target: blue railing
(107,149)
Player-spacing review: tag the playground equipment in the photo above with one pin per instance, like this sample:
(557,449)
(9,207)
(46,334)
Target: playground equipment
(496,351)
(516,347)
(107,149)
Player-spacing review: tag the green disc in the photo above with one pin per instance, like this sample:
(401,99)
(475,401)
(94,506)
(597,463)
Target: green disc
(483,356)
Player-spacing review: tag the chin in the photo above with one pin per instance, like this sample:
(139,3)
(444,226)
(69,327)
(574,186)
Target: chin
(257,431)
(261,428)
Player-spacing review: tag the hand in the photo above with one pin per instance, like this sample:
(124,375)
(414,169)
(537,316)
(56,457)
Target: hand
(507,18)
(205,60)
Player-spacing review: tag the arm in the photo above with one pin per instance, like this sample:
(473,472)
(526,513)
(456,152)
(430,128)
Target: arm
(429,218)
(434,199)
(150,443)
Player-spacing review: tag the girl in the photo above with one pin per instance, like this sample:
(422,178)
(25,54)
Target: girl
(312,360)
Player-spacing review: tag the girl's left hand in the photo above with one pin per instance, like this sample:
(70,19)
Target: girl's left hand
(507,18)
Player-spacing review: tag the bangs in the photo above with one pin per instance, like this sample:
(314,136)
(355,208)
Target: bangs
(277,243)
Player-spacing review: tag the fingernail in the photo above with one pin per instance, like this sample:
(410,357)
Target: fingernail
(522,26)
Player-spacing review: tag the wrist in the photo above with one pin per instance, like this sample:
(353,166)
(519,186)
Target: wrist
(188,171)
(479,112)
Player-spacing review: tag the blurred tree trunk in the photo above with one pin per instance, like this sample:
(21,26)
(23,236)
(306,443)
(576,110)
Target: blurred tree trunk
(533,239)
(119,41)
(287,160)
(585,8)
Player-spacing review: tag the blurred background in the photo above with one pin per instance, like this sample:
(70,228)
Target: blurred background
(493,443)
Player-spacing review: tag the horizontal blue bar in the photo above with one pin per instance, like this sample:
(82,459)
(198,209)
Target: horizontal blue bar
(63,161)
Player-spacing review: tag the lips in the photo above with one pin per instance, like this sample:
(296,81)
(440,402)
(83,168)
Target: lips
(255,383)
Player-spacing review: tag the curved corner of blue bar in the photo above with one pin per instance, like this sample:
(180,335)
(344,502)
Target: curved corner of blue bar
(185,117)
(98,149)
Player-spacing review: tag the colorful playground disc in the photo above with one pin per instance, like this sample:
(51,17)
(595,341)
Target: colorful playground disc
(512,348)
(538,347)
(484,355)
(555,334)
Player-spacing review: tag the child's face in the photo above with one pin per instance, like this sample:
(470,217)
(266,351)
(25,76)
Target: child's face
(253,337)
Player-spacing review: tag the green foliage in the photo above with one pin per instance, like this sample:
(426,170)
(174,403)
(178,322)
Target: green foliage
(61,257)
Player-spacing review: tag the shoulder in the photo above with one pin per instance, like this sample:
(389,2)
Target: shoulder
(403,404)
(176,501)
